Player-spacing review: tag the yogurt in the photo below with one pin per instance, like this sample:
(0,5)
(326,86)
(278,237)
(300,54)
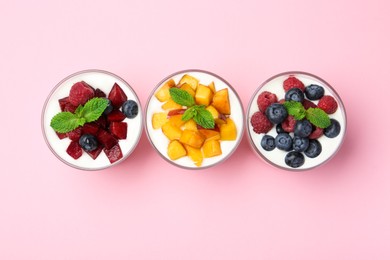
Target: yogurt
(276,157)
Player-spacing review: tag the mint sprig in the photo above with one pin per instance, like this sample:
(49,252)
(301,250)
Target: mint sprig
(199,113)
(316,116)
(65,122)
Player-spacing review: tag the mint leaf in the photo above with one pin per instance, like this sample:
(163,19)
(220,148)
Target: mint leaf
(203,117)
(94,108)
(295,109)
(65,122)
(78,110)
(188,114)
(318,117)
(181,97)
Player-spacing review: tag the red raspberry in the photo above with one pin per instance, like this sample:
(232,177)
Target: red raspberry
(328,104)
(308,104)
(293,82)
(317,133)
(260,123)
(288,124)
(281,101)
(265,99)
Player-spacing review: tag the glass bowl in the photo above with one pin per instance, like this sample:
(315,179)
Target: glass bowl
(104,81)
(276,157)
(200,157)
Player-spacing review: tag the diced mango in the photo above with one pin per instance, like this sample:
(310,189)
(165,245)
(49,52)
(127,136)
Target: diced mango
(176,150)
(210,134)
(163,94)
(190,80)
(195,154)
(158,119)
(203,95)
(211,148)
(171,131)
(176,120)
(212,87)
(188,88)
(228,131)
(192,138)
(221,101)
(190,125)
(170,104)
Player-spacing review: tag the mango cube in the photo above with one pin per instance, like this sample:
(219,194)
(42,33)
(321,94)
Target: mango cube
(158,119)
(171,131)
(176,150)
(211,148)
(192,81)
(170,104)
(203,95)
(210,134)
(188,88)
(221,101)
(228,131)
(163,93)
(192,138)
(190,125)
(176,120)
(195,154)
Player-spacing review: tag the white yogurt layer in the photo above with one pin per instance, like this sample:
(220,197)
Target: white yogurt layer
(276,157)
(160,141)
(97,79)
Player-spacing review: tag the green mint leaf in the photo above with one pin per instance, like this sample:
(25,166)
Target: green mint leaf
(65,122)
(203,117)
(318,117)
(78,110)
(295,109)
(181,97)
(94,108)
(188,114)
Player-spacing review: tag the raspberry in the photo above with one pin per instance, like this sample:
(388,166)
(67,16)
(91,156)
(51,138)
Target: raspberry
(293,82)
(328,104)
(265,99)
(308,104)
(260,123)
(316,133)
(288,124)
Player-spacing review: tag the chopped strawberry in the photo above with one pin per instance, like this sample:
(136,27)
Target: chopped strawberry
(100,93)
(63,102)
(75,134)
(119,129)
(95,153)
(308,104)
(113,154)
(116,116)
(80,93)
(70,108)
(74,150)
(107,139)
(102,122)
(61,135)
(117,96)
(90,128)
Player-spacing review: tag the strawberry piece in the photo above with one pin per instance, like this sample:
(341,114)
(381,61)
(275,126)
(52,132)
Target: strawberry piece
(288,124)
(265,99)
(61,135)
(69,108)
(260,123)
(308,104)
(63,102)
(293,82)
(90,128)
(174,112)
(316,133)
(117,96)
(119,129)
(113,154)
(75,134)
(107,139)
(116,116)
(74,150)
(95,153)
(328,104)
(102,122)
(100,93)
(80,93)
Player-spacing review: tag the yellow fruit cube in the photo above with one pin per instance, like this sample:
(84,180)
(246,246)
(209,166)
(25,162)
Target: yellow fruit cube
(163,93)
(228,131)
(192,81)
(211,148)
(176,150)
(188,88)
(170,104)
(176,120)
(195,154)
(190,125)
(158,119)
(221,101)
(171,131)
(210,134)
(192,138)
(203,95)
(212,87)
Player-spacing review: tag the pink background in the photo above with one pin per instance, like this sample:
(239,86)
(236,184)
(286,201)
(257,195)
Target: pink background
(146,208)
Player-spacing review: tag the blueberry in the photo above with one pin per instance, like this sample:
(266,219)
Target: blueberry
(314,92)
(283,142)
(268,143)
(303,128)
(333,130)
(300,144)
(314,149)
(279,129)
(130,108)
(294,159)
(276,113)
(294,94)
(109,108)
(88,142)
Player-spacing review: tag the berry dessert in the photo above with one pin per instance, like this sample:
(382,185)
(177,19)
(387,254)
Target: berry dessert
(296,121)
(92,120)
(194,119)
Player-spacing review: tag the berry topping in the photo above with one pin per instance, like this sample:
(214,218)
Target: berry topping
(260,123)
(119,129)
(90,128)
(276,113)
(314,92)
(283,142)
(316,133)
(106,139)
(113,154)
(117,96)
(294,159)
(100,93)
(288,124)
(75,134)
(265,99)
(333,130)
(308,104)
(268,143)
(328,104)
(300,144)
(80,93)
(116,116)
(130,108)
(279,129)
(303,128)
(74,150)
(294,94)
(314,149)
(95,153)
(88,142)
(293,82)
